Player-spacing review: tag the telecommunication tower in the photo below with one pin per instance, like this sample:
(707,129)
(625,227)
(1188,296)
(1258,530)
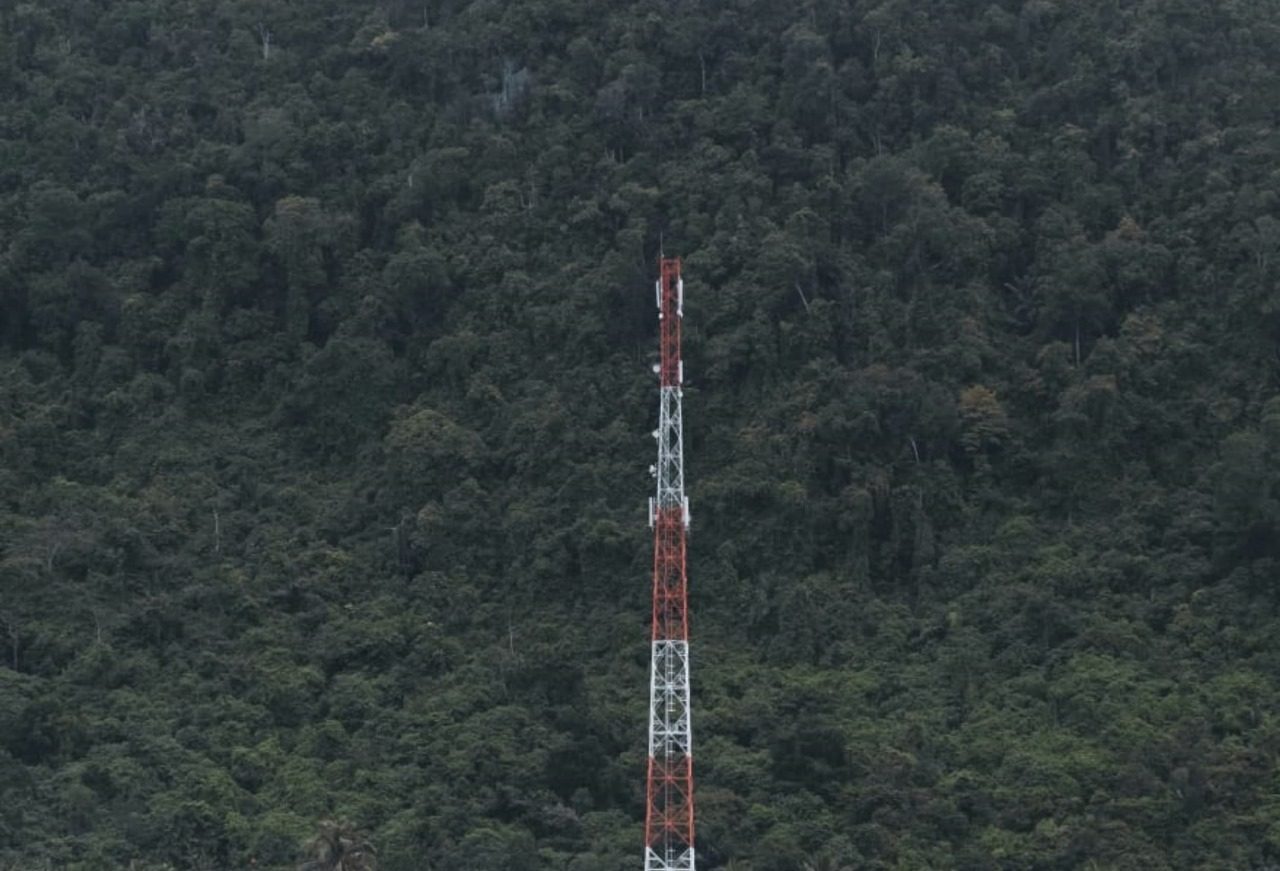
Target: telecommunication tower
(668,824)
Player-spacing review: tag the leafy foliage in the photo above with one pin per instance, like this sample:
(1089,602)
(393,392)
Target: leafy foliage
(324,399)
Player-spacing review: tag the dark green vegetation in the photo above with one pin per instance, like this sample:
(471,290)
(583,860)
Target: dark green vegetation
(325,401)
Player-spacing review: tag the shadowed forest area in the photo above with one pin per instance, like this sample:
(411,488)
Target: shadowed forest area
(325,408)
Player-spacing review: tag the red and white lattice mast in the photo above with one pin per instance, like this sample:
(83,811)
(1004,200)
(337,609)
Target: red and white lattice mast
(668,823)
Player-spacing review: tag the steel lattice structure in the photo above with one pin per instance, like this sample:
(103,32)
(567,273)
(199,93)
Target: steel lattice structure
(668,825)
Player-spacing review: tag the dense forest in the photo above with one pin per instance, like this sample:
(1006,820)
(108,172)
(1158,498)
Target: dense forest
(325,408)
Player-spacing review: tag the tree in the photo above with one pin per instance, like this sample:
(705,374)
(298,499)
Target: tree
(298,233)
(826,863)
(339,846)
(221,256)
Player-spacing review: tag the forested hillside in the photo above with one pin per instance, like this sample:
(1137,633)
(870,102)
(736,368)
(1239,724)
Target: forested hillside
(325,407)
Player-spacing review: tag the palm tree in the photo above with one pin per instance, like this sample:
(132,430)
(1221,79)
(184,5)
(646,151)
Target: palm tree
(338,846)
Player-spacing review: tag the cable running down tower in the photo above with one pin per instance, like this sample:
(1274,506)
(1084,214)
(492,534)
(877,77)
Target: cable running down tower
(668,825)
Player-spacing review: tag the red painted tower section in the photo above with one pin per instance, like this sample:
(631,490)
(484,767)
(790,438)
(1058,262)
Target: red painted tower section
(669,816)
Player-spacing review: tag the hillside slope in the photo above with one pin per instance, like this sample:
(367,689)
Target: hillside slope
(325,334)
